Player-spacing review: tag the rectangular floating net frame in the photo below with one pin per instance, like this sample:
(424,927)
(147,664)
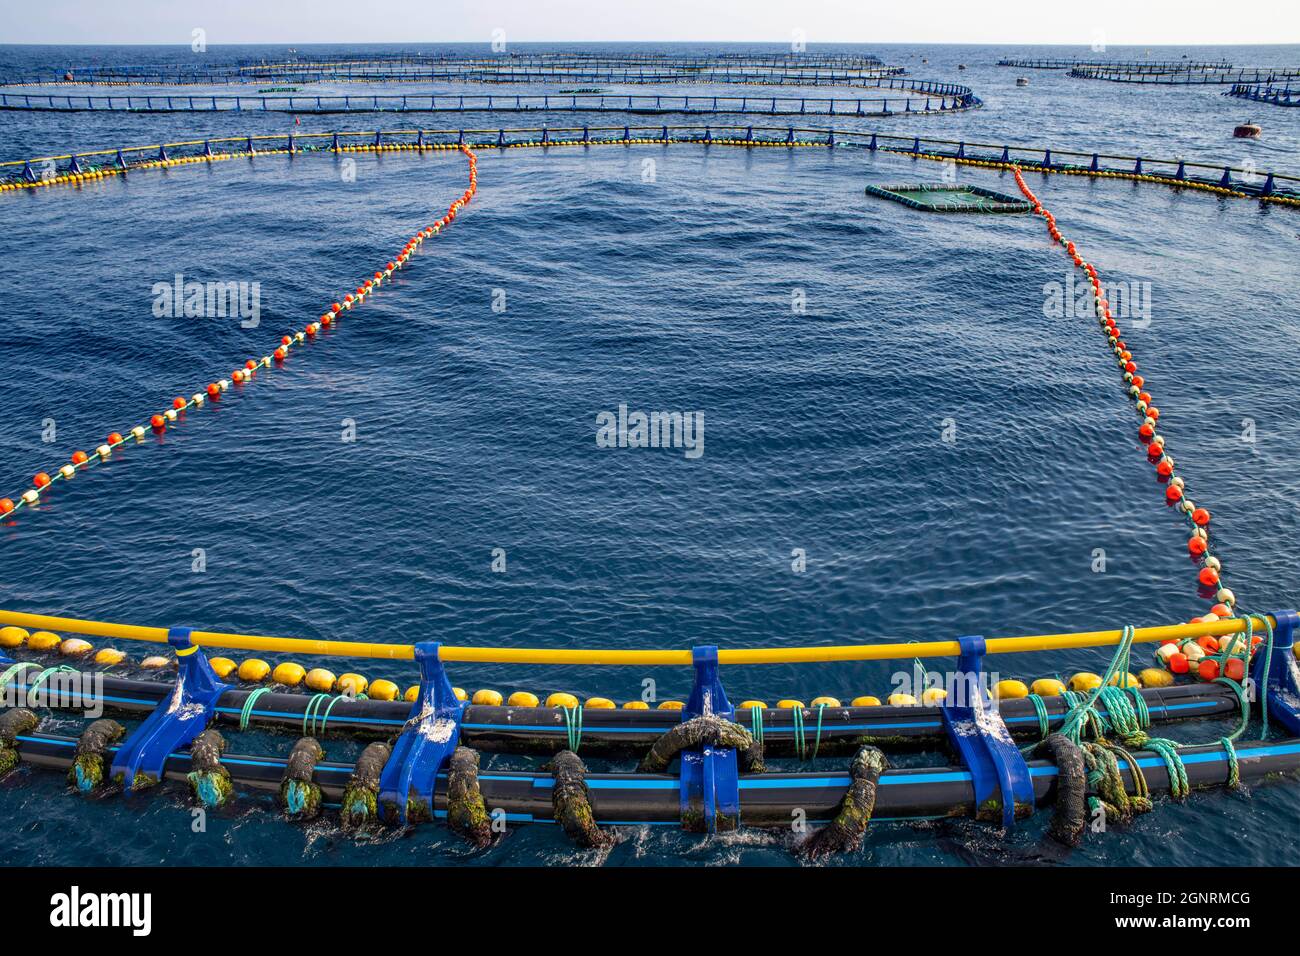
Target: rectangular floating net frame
(939,197)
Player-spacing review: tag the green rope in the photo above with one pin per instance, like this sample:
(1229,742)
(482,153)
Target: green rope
(573,724)
(308,713)
(1040,711)
(1179,788)
(1268,664)
(1084,715)
(1234,770)
(756,723)
(45,674)
(247,712)
(11,671)
(817,741)
(800,744)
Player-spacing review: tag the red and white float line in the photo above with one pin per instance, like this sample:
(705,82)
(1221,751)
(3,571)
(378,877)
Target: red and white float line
(43,482)
(1198,519)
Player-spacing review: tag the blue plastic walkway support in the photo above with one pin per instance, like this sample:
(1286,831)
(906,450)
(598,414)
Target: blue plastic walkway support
(1278,675)
(710,778)
(176,721)
(431,735)
(975,729)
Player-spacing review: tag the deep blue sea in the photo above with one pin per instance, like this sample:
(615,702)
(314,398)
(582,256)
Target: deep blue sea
(475,428)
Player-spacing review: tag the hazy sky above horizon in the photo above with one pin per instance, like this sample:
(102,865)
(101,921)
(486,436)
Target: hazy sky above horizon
(1110,22)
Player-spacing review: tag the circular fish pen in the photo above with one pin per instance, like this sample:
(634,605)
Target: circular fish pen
(1029,743)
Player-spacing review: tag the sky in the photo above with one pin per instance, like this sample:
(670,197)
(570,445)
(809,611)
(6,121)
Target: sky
(1113,22)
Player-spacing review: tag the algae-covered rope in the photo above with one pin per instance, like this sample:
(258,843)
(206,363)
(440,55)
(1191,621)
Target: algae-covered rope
(1107,783)
(572,801)
(845,832)
(1069,819)
(88,765)
(209,780)
(466,812)
(20,720)
(299,794)
(707,729)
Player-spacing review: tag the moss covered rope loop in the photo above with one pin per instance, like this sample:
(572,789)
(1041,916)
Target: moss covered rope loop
(466,812)
(846,831)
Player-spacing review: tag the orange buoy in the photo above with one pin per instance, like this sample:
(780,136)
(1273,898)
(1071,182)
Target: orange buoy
(1222,610)
(1234,668)
(1146,430)
(41,479)
(214,390)
(178,403)
(114,438)
(237,375)
(335,307)
(1201,516)
(79,457)
(285,340)
(6,505)
(158,423)
(279,354)
(1197,547)
(1209,577)
(250,365)
(1179,664)
(1173,493)
(1165,468)
(1208,669)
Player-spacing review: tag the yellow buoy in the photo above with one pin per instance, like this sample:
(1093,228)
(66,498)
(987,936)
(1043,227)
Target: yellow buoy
(600,703)
(486,698)
(254,669)
(352,684)
(865,701)
(108,656)
(289,674)
(522,698)
(751,704)
(636,705)
(933,695)
(1084,681)
(1010,690)
(44,641)
(75,647)
(383,690)
(671,705)
(459,693)
(1047,687)
(828,701)
(222,666)
(1156,677)
(1124,680)
(320,680)
(12,636)
(156,663)
(790,704)
(902,700)
(412,693)
(561,700)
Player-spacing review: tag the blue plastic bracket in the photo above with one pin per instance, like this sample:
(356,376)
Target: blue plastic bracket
(1282,678)
(29,174)
(1137,167)
(162,153)
(981,739)
(710,778)
(207,149)
(1182,170)
(501,138)
(873,146)
(335,144)
(75,166)
(432,733)
(378,138)
(121,160)
(1006,154)
(177,720)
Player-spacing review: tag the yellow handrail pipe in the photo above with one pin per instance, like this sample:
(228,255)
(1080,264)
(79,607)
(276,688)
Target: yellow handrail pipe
(536,655)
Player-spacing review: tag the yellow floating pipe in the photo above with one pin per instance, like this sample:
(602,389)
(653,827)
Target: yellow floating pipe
(530,655)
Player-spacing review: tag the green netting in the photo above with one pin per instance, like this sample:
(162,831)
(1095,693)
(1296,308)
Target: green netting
(939,197)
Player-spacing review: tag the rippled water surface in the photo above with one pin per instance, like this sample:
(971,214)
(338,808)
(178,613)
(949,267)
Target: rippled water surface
(657,277)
